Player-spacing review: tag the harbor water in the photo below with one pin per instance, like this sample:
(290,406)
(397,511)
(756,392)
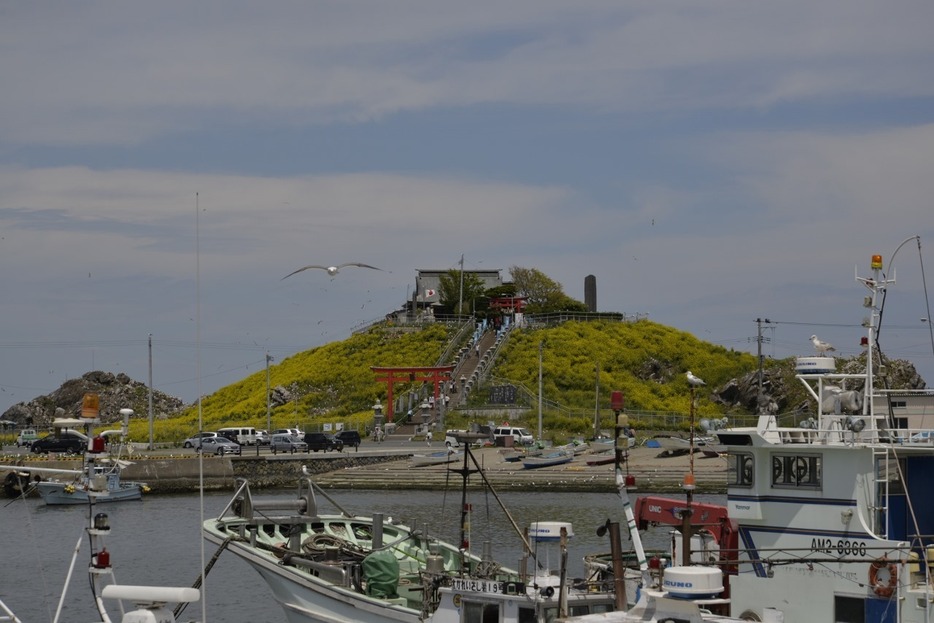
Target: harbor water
(157,541)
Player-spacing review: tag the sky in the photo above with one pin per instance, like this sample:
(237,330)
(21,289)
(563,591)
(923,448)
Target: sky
(163,165)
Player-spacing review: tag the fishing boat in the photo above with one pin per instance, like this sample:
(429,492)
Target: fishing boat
(59,491)
(345,567)
(828,518)
(341,566)
(99,472)
(440,457)
(548,459)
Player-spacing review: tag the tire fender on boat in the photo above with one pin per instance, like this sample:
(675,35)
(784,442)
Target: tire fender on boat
(883,577)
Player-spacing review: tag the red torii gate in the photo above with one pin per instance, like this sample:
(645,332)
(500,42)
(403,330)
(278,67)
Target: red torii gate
(436,374)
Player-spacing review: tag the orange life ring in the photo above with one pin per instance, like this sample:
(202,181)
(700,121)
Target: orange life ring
(882,586)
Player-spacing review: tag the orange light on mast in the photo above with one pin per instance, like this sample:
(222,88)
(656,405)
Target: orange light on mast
(876,262)
(90,406)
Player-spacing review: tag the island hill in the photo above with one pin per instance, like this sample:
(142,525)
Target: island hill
(583,359)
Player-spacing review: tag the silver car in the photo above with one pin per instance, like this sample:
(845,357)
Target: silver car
(218,445)
(194,442)
(284,442)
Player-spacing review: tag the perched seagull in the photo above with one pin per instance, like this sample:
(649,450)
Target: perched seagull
(821,346)
(693,380)
(332,270)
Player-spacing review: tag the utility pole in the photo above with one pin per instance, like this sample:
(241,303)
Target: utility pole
(268,425)
(151,446)
(759,340)
(541,346)
(460,300)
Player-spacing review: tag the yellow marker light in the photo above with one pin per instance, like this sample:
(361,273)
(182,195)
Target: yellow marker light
(876,262)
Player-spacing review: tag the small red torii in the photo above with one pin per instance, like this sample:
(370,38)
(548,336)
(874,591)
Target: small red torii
(436,374)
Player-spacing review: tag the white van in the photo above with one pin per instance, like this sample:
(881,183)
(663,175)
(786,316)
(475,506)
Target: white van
(243,435)
(519,435)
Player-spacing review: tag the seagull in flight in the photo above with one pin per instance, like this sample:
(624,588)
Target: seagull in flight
(693,380)
(821,346)
(332,270)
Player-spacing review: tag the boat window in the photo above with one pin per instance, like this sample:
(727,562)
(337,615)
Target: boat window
(796,470)
(479,612)
(526,615)
(740,470)
(849,609)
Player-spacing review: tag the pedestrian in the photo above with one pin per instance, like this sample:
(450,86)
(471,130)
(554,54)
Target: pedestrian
(428,438)
(477,349)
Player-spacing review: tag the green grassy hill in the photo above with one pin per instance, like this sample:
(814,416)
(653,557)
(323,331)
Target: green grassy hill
(334,383)
(645,360)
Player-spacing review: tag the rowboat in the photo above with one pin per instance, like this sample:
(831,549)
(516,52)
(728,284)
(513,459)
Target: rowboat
(436,458)
(548,459)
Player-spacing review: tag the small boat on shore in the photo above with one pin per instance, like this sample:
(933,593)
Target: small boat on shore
(548,459)
(436,458)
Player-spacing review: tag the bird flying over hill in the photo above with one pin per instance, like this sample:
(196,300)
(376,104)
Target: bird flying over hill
(693,380)
(332,270)
(821,346)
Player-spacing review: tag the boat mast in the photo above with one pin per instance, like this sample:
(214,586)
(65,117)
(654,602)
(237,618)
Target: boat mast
(876,285)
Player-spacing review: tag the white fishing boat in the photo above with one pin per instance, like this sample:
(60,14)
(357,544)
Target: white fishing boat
(99,471)
(440,457)
(61,491)
(344,567)
(830,518)
(341,566)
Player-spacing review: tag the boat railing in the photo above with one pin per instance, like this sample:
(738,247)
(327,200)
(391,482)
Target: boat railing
(845,429)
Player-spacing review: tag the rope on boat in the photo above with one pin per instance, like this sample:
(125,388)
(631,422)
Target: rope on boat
(179,608)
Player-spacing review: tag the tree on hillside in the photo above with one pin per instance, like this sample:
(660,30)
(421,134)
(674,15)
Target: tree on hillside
(451,295)
(542,293)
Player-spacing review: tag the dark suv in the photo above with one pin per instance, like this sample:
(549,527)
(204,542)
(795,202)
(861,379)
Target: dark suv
(68,441)
(350,438)
(323,441)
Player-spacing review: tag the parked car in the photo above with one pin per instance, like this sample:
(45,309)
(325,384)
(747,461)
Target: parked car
(68,441)
(349,438)
(285,442)
(519,435)
(262,438)
(288,431)
(323,441)
(243,435)
(194,442)
(26,437)
(218,445)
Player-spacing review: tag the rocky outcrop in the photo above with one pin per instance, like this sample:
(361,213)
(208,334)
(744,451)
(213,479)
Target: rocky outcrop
(781,393)
(116,391)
